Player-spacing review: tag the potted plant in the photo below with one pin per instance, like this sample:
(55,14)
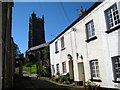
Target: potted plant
(89,85)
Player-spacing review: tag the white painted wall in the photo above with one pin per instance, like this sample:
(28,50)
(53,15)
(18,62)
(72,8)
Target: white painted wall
(103,48)
(61,56)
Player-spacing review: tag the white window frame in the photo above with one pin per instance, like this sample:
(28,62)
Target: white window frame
(94,66)
(57,68)
(53,70)
(90,29)
(64,67)
(108,21)
(116,67)
(56,46)
(62,43)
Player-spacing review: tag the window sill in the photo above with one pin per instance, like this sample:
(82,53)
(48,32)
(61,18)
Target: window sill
(56,52)
(62,49)
(116,81)
(91,39)
(113,29)
(96,80)
(64,73)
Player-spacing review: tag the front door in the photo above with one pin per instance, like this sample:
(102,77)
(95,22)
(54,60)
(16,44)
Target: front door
(81,72)
(71,72)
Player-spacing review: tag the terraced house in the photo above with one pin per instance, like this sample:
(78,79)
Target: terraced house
(89,49)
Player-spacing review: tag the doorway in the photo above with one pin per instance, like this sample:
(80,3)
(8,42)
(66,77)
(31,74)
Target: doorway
(81,73)
(71,71)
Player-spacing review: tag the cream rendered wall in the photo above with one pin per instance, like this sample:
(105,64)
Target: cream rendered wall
(54,58)
(66,51)
(61,56)
(80,36)
(103,48)
(70,48)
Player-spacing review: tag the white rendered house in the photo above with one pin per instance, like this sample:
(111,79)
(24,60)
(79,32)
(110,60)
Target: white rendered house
(89,49)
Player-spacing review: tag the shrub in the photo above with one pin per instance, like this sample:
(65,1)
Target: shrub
(90,85)
(57,76)
(53,78)
(64,79)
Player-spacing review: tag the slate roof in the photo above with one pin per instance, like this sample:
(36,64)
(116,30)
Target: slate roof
(38,47)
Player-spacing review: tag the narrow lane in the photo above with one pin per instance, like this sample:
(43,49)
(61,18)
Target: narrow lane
(35,84)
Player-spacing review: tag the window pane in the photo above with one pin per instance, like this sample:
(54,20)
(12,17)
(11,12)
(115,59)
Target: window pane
(56,46)
(64,67)
(53,70)
(112,16)
(116,66)
(90,29)
(57,67)
(93,75)
(95,69)
(62,42)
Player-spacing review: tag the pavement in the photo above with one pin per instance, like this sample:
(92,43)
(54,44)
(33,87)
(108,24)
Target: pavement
(31,82)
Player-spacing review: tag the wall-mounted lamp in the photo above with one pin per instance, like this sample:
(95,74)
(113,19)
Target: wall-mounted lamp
(69,56)
(81,57)
(77,55)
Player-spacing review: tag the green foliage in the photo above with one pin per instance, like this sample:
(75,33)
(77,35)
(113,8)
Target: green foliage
(17,51)
(46,53)
(53,78)
(32,59)
(33,69)
(62,78)
(18,56)
(30,69)
(89,84)
(43,70)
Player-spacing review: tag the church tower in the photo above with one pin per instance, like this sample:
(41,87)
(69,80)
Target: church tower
(36,31)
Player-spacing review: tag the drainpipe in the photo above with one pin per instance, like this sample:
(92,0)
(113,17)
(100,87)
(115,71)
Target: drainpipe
(76,58)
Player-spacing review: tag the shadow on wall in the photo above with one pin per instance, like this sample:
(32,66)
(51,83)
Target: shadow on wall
(119,49)
(119,42)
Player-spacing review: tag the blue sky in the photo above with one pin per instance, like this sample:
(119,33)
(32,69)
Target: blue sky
(57,17)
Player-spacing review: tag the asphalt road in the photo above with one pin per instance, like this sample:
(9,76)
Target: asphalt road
(35,84)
